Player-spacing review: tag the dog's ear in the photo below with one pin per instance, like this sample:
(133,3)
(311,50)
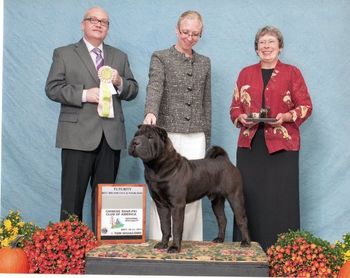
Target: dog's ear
(161,132)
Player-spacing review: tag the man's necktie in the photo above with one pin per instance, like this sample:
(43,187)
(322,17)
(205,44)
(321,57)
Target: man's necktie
(105,103)
(99,58)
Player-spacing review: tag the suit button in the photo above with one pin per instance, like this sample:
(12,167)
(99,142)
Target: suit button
(189,88)
(187,118)
(188,103)
(189,73)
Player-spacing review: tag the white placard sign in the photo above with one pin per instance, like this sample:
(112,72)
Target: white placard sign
(121,212)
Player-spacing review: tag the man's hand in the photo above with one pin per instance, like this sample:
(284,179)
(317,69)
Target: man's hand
(116,79)
(92,95)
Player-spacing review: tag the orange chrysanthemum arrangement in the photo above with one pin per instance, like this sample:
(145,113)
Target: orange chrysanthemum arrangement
(60,247)
(301,254)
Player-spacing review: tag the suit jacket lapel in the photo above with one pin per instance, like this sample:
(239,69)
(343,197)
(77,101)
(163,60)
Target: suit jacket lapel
(84,55)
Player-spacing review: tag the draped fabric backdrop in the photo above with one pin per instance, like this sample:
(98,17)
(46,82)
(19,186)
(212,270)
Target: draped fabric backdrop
(316,40)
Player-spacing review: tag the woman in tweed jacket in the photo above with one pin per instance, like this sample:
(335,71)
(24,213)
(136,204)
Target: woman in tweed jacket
(179,100)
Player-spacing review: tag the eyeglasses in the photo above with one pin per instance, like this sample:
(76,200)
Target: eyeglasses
(267,42)
(94,20)
(186,33)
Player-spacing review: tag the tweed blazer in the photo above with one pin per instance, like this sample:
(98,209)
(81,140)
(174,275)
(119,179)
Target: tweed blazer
(79,125)
(179,92)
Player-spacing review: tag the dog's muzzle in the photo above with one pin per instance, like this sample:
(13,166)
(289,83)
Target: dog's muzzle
(133,145)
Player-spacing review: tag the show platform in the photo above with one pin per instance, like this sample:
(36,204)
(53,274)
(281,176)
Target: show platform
(197,258)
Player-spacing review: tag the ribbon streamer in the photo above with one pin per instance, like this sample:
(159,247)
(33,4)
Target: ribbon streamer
(105,104)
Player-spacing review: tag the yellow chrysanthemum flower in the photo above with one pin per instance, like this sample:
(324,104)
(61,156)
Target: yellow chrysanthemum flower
(21,224)
(12,238)
(7,224)
(5,242)
(15,231)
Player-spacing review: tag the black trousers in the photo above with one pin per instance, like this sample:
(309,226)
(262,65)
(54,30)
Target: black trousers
(80,167)
(271,189)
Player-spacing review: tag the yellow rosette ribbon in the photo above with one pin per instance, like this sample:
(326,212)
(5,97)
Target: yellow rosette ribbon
(105,104)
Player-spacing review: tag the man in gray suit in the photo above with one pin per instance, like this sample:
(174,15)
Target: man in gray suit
(90,143)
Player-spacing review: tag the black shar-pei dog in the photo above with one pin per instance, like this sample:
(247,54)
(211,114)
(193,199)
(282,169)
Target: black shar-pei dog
(174,181)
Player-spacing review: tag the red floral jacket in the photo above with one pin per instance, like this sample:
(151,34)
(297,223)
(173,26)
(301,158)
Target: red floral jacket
(285,92)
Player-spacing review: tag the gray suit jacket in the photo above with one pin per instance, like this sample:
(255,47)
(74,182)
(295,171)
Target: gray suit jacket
(79,125)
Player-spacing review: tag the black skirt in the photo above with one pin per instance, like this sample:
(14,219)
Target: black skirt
(271,189)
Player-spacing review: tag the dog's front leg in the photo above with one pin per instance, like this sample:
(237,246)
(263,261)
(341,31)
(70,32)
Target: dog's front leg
(165,226)
(178,215)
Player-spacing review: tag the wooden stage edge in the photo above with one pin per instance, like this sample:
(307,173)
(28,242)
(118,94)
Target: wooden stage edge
(196,258)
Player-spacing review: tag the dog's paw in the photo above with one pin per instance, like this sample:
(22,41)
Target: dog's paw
(161,245)
(173,249)
(245,243)
(218,240)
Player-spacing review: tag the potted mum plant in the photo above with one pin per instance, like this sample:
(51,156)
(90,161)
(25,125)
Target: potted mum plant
(344,247)
(60,248)
(13,226)
(301,254)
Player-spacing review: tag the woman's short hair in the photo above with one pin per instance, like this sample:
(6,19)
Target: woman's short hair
(190,15)
(271,30)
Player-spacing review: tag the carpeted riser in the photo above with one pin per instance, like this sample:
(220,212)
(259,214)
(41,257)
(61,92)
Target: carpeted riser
(136,267)
(195,259)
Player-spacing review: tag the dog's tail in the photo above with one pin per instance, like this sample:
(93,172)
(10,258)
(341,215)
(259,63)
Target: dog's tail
(216,151)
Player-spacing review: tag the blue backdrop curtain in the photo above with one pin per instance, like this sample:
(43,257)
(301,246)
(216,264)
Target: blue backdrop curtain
(316,40)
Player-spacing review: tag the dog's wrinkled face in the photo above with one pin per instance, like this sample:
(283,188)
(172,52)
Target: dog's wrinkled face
(148,142)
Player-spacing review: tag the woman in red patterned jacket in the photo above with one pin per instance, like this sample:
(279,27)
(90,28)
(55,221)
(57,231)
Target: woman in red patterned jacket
(270,102)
